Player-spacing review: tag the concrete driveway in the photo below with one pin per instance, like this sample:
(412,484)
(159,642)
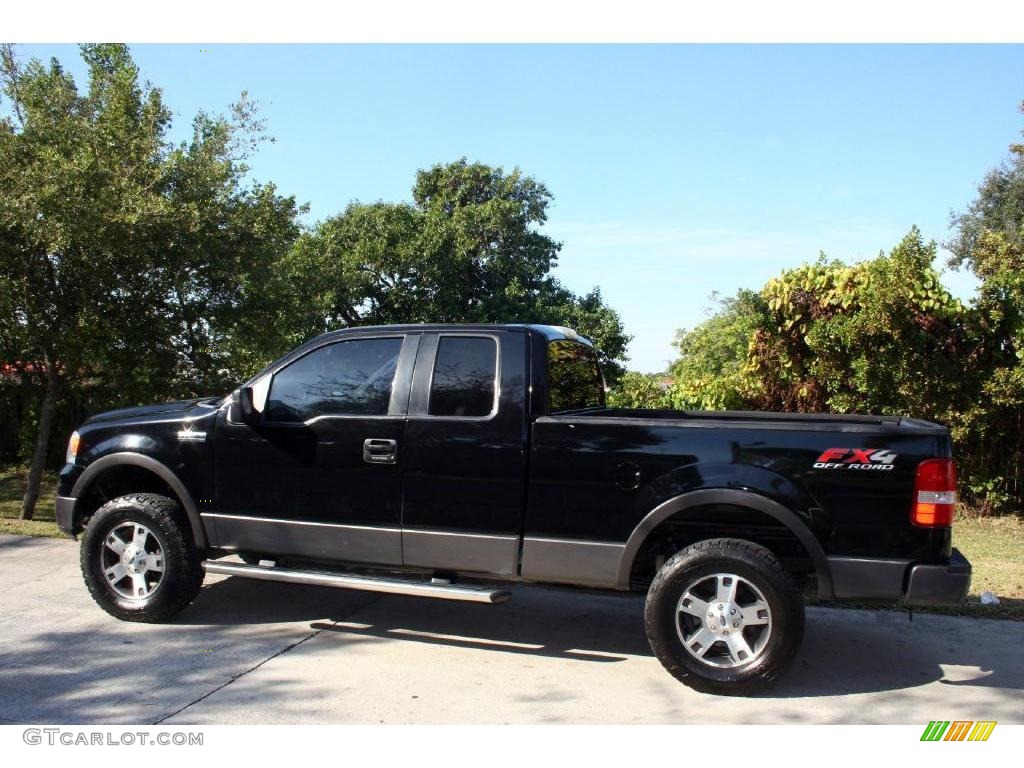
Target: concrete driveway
(258,652)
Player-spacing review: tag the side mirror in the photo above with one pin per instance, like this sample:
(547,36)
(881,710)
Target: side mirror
(243,408)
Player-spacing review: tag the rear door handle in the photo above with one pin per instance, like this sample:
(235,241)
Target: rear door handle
(378,450)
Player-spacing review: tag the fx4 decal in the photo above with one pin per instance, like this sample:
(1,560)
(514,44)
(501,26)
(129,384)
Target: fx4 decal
(878,459)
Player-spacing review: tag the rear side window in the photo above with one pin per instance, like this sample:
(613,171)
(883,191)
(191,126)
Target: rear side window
(348,378)
(464,376)
(574,377)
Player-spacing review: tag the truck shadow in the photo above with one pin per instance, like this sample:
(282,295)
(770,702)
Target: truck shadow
(845,651)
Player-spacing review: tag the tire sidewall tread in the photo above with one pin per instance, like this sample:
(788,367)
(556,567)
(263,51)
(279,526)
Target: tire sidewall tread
(183,570)
(750,561)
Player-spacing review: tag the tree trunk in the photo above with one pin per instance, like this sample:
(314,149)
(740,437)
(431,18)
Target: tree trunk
(35,475)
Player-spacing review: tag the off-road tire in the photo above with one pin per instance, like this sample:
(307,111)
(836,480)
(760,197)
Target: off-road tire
(750,562)
(183,573)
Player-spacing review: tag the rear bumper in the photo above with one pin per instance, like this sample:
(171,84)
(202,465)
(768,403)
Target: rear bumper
(939,584)
(864,578)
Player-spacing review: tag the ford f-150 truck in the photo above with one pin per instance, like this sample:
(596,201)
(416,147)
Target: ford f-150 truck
(452,461)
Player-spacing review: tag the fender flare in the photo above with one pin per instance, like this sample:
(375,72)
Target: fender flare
(157,468)
(735,498)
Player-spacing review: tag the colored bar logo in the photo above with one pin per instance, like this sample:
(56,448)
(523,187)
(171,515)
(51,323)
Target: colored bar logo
(958,730)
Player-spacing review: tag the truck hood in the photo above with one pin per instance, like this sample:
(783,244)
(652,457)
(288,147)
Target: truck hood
(163,410)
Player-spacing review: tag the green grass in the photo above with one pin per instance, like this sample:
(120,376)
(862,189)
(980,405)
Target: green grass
(12,489)
(994,545)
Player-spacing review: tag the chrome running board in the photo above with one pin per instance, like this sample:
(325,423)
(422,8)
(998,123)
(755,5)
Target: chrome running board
(365,583)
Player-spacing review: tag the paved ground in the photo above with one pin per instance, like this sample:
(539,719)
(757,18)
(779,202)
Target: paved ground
(257,652)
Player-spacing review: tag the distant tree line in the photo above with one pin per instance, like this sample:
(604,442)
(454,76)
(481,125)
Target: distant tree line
(882,336)
(135,269)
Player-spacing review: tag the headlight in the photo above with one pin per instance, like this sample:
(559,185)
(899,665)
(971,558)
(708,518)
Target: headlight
(72,448)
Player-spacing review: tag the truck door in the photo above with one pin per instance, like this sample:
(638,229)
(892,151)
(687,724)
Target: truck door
(320,476)
(463,460)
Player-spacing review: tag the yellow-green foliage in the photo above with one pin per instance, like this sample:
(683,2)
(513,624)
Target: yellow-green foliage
(880,335)
(639,390)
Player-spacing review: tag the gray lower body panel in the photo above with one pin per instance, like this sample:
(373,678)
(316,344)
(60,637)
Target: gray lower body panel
(65,514)
(559,561)
(585,563)
(867,578)
(944,584)
(318,541)
(469,552)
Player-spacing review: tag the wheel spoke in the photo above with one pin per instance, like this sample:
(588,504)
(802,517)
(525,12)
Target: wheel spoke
(140,564)
(726,592)
(751,613)
(727,606)
(703,639)
(739,649)
(139,586)
(114,544)
(693,606)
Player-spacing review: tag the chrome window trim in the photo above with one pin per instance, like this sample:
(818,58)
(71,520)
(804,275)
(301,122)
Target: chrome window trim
(427,416)
(324,417)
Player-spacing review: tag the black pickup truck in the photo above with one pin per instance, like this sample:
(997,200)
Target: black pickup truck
(451,461)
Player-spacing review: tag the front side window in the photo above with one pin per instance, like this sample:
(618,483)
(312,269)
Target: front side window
(574,377)
(348,378)
(464,376)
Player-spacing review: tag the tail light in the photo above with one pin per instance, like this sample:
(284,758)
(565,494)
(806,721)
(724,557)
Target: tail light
(934,493)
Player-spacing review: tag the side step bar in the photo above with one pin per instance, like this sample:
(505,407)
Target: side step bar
(365,583)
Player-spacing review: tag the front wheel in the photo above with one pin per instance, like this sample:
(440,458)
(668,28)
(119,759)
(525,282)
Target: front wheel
(723,616)
(138,558)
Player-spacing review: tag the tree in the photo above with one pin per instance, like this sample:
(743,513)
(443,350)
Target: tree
(999,207)
(69,197)
(466,249)
(711,372)
(989,240)
(881,336)
(126,261)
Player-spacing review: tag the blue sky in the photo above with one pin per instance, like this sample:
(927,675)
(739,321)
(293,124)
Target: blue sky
(676,170)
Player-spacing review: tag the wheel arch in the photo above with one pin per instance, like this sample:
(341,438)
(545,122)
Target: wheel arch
(113,461)
(730,497)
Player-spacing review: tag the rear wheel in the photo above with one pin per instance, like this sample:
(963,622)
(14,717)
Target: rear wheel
(723,616)
(138,558)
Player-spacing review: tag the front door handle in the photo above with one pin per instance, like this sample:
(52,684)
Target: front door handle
(378,450)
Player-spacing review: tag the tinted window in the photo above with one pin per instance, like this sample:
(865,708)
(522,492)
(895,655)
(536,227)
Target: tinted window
(574,376)
(350,377)
(463,383)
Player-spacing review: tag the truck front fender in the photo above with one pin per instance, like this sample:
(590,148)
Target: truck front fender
(128,458)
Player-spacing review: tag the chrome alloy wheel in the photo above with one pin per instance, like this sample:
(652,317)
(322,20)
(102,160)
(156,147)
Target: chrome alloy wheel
(132,561)
(723,620)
